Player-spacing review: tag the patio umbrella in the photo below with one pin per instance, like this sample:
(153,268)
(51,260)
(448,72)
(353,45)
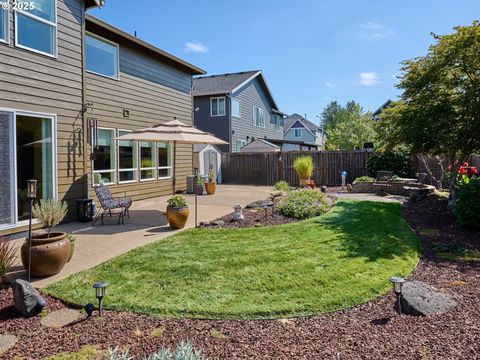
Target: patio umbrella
(174,132)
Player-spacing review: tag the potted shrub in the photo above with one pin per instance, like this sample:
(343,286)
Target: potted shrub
(200,183)
(50,250)
(303,166)
(211,185)
(177,212)
(8,255)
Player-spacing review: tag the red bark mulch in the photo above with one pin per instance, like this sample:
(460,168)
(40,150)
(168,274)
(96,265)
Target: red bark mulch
(369,331)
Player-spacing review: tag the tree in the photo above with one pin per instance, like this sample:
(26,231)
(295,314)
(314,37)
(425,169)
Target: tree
(351,127)
(329,113)
(439,110)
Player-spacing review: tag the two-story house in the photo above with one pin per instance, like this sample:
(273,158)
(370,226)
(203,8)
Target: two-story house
(297,128)
(60,70)
(237,108)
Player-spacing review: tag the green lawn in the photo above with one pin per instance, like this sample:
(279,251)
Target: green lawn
(338,260)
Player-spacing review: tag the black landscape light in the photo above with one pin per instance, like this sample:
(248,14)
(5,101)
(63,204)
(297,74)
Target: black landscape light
(397,283)
(89,310)
(31,196)
(100,293)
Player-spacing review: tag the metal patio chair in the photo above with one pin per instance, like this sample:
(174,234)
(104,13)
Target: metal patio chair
(109,203)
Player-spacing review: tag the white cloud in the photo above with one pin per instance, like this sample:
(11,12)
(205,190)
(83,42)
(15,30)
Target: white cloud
(194,46)
(374,31)
(369,78)
(328,84)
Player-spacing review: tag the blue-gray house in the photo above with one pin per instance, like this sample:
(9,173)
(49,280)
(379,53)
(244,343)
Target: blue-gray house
(237,108)
(299,129)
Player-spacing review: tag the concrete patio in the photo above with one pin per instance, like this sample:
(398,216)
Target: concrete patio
(147,224)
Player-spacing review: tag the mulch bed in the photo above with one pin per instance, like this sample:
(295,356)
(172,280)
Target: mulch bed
(369,331)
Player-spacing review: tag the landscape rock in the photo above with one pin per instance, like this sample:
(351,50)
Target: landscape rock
(212,223)
(6,342)
(260,204)
(27,299)
(61,318)
(421,299)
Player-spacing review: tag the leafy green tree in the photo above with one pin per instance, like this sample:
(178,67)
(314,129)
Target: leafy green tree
(439,110)
(351,128)
(329,113)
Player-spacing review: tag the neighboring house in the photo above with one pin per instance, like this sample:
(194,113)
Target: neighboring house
(377,113)
(297,128)
(237,108)
(55,81)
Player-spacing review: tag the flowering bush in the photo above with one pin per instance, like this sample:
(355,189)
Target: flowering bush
(467,208)
(465,173)
(303,204)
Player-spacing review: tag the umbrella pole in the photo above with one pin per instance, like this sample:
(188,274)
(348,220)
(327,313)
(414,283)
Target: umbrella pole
(174,179)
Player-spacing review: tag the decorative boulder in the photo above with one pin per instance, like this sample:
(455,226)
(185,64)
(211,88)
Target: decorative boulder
(27,299)
(260,204)
(421,299)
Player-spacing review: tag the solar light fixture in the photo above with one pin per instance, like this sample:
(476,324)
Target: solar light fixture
(397,283)
(100,293)
(31,189)
(238,212)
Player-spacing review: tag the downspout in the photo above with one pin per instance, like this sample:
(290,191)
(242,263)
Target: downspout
(230,137)
(84,113)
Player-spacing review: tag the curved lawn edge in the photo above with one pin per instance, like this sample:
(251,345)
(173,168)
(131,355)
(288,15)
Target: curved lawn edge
(234,273)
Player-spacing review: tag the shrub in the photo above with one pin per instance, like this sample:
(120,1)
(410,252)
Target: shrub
(184,351)
(282,186)
(398,163)
(467,208)
(303,165)
(303,204)
(364,179)
(8,255)
(177,201)
(50,213)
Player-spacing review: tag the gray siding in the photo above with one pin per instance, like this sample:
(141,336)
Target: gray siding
(251,95)
(154,93)
(37,83)
(217,125)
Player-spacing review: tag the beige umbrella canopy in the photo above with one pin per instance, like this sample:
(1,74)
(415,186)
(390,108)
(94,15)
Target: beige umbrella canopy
(173,132)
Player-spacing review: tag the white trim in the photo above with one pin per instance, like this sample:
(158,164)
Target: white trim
(114,170)
(304,126)
(46,22)
(135,170)
(253,116)
(246,82)
(108,42)
(7,28)
(295,133)
(140,169)
(165,167)
(224,106)
(239,108)
(53,118)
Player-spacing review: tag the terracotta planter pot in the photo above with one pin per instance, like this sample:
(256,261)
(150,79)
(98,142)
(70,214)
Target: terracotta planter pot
(211,187)
(177,217)
(303,182)
(49,255)
(41,239)
(72,249)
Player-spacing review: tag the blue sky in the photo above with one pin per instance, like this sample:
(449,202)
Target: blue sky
(311,51)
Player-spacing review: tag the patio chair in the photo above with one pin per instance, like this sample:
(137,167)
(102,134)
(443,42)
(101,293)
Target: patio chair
(109,203)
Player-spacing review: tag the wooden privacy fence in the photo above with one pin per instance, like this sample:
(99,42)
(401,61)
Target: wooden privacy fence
(268,168)
(432,164)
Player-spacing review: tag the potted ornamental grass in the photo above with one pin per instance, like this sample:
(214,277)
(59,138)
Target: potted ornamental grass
(303,166)
(211,185)
(50,250)
(177,212)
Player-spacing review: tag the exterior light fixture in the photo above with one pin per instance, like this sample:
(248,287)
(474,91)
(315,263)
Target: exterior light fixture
(397,283)
(238,212)
(100,293)
(31,196)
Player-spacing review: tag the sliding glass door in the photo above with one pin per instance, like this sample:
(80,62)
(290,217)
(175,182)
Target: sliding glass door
(27,151)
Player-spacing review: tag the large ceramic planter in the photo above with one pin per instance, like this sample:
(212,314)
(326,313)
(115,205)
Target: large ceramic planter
(211,187)
(177,216)
(49,254)
(72,249)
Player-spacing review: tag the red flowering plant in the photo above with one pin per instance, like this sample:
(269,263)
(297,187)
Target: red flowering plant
(465,173)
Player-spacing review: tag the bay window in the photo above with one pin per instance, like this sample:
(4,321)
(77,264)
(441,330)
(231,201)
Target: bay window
(147,160)
(164,151)
(36,26)
(127,159)
(104,158)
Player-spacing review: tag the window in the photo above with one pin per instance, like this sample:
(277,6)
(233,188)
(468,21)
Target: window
(104,158)
(217,106)
(127,159)
(258,117)
(36,27)
(101,56)
(278,122)
(240,144)
(164,158)
(297,133)
(235,108)
(4,22)
(147,161)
